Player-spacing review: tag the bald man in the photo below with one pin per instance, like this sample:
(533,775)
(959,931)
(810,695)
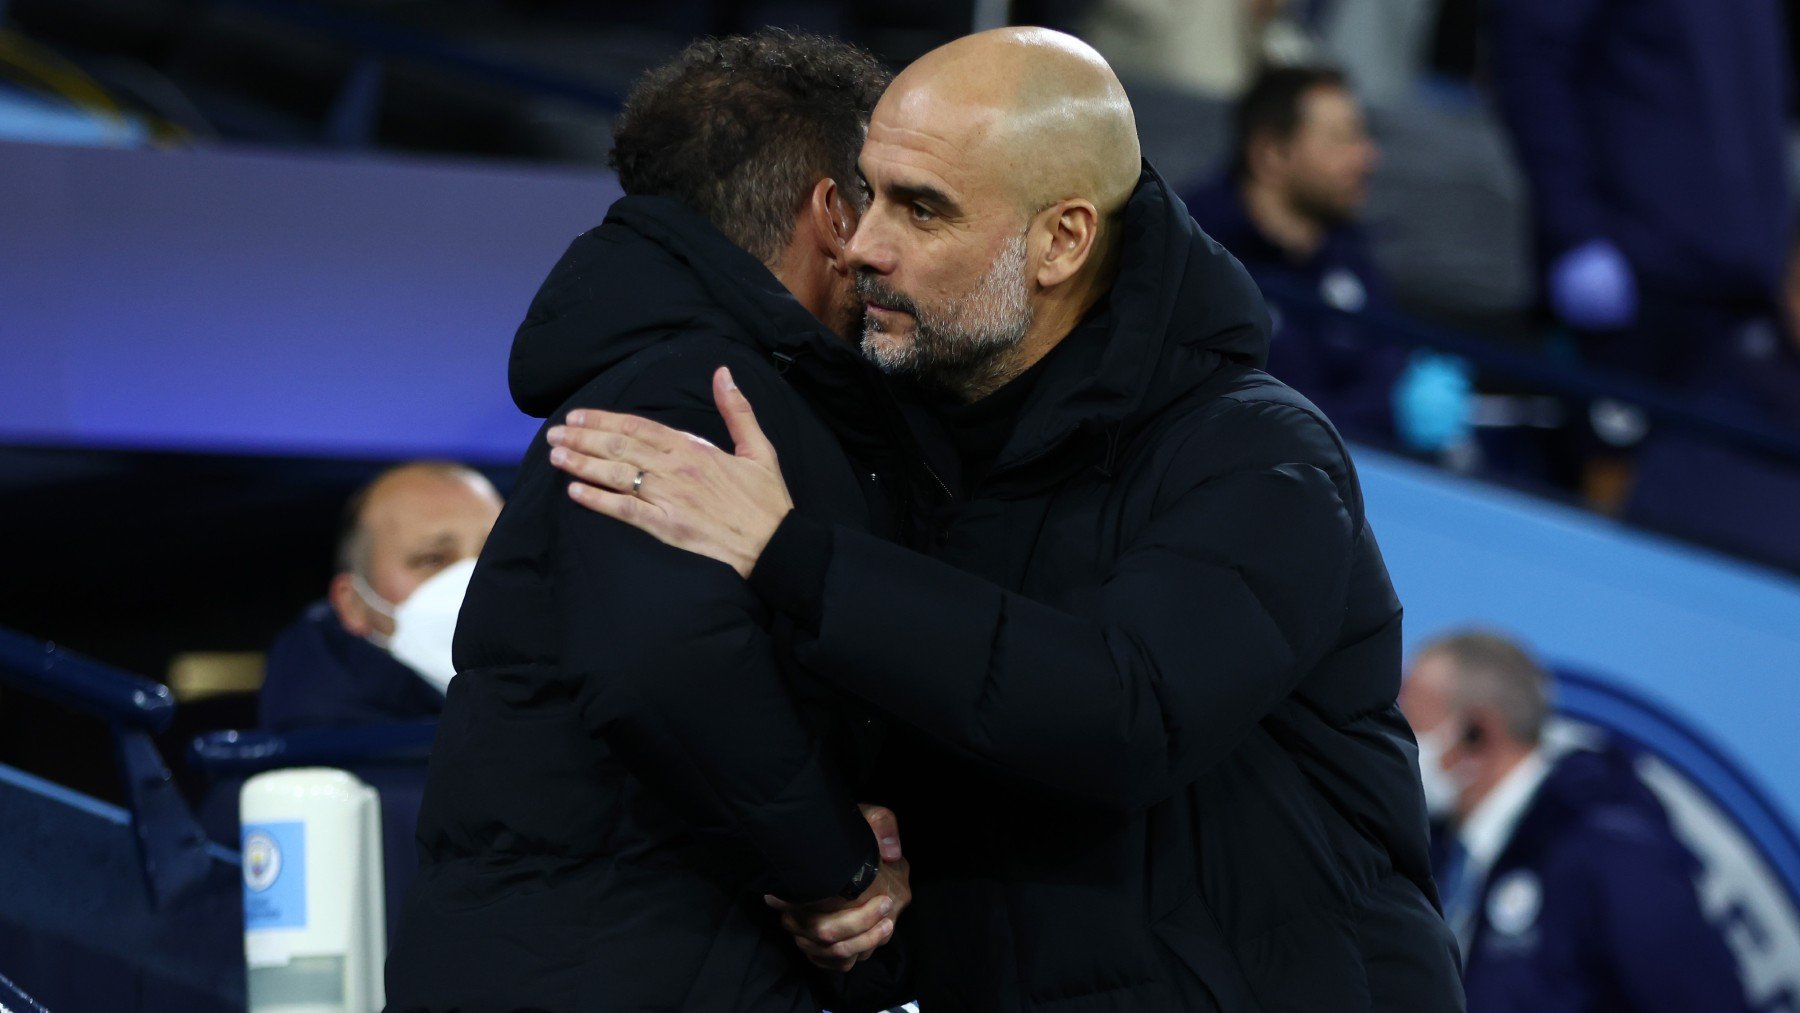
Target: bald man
(347,661)
(1151,657)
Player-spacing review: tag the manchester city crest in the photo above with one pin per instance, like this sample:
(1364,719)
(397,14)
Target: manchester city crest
(262,861)
(1514,902)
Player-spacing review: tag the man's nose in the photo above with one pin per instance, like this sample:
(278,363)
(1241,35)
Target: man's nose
(868,250)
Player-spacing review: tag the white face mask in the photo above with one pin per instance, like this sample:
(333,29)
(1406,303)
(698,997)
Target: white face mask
(425,623)
(1443,788)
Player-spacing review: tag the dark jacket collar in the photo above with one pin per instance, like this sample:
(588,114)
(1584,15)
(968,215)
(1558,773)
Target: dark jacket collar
(321,675)
(1180,310)
(655,268)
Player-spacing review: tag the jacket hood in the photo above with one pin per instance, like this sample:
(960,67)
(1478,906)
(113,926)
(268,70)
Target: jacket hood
(1218,206)
(1181,309)
(652,268)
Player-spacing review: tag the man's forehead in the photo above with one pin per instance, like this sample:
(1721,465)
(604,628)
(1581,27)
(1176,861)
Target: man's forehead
(1432,673)
(426,502)
(929,143)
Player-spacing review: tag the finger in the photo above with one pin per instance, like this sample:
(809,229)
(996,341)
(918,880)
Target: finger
(646,431)
(887,830)
(832,965)
(595,470)
(644,516)
(607,446)
(848,923)
(776,902)
(830,925)
(740,418)
(849,949)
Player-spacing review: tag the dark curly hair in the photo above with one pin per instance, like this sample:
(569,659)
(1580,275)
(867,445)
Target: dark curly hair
(741,128)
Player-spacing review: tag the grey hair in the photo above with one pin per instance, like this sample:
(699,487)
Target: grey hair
(1492,670)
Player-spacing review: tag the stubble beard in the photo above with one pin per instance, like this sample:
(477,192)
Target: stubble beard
(968,348)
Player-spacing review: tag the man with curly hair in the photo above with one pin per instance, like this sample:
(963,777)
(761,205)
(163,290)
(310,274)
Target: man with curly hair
(629,760)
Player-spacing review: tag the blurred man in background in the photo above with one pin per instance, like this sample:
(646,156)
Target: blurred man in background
(1652,134)
(378,648)
(1288,207)
(1566,887)
(1205,47)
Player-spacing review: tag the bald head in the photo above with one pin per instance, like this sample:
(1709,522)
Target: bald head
(1038,109)
(999,167)
(410,522)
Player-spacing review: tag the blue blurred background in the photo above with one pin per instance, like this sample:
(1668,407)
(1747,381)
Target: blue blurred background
(252,252)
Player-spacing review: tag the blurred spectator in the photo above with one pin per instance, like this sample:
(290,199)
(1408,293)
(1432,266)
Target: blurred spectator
(1382,44)
(1652,136)
(1566,887)
(378,648)
(1207,47)
(1288,208)
(1732,499)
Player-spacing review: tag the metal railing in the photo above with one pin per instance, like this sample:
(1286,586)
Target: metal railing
(241,753)
(172,849)
(1737,429)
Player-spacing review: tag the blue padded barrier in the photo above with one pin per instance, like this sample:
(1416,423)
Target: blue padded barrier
(78,931)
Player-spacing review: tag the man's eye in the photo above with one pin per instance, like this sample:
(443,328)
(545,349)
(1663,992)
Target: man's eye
(435,561)
(921,213)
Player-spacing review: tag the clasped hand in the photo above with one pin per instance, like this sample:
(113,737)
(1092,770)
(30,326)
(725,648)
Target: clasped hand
(837,935)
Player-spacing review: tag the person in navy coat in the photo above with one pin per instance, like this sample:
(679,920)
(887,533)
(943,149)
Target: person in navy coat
(377,650)
(1288,207)
(1652,135)
(1560,875)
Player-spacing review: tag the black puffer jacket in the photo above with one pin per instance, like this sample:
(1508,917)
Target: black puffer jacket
(1151,671)
(625,762)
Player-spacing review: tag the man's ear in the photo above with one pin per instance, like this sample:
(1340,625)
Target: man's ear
(1074,229)
(832,219)
(1264,155)
(352,612)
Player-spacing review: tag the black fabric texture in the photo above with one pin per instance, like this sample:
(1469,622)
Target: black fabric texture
(1146,753)
(629,758)
(790,573)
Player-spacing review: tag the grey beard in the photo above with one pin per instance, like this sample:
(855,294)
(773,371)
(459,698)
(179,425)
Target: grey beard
(968,348)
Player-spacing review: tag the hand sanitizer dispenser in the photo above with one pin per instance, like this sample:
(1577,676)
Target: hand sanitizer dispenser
(315,933)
